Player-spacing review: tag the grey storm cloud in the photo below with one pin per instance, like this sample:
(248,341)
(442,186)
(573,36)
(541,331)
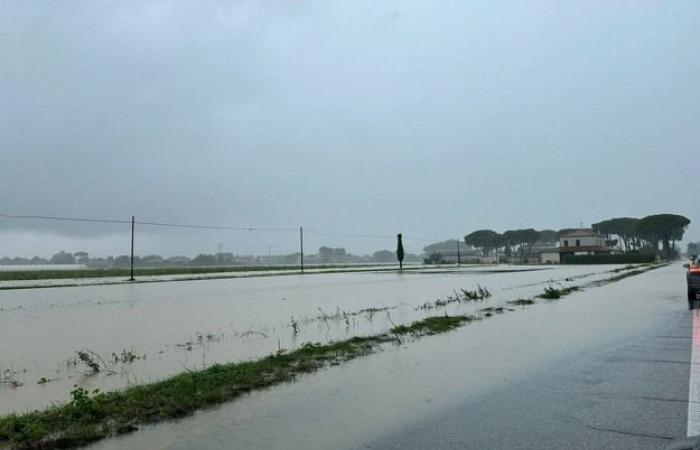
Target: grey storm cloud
(428,118)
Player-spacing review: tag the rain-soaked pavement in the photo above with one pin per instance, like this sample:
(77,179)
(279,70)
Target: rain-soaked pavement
(603,368)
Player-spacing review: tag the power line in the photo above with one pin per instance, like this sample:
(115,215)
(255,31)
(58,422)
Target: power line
(63,219)
(202,227)
(369,236)
(331,234)
(213,227)
(421,239)
(118,221)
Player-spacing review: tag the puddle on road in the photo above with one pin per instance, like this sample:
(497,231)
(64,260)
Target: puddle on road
(352,405)
(144,332)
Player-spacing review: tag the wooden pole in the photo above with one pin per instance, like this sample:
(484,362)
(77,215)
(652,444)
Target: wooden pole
(459,257)
(301,247)
(132,248)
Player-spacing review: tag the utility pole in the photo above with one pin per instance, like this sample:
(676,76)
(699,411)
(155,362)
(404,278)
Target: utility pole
(459,257)
(301,247)
(133,219)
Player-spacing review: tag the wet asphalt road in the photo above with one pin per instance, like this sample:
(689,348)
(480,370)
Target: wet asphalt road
(629,393)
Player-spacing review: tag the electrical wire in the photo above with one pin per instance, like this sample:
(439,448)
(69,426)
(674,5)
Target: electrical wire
(203,227)
(63,219)
(212,227)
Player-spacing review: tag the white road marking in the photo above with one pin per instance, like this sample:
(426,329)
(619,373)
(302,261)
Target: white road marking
(694,388)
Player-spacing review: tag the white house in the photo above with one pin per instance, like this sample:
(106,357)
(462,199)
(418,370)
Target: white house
(577,242)
(580,241)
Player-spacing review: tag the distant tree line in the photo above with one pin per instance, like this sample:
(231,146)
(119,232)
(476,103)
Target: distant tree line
(645,233)
(632,234)
(325,255)
(513,243)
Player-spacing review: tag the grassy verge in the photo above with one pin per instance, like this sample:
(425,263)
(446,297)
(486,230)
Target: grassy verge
(91,416)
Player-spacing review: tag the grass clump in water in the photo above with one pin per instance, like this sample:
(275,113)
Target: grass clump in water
(552,293)
(463,295)
(433,325)
(480,293)
(521,302)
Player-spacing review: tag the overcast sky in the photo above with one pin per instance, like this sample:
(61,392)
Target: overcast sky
(427,118)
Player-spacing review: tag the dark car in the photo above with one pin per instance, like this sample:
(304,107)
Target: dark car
(693,278)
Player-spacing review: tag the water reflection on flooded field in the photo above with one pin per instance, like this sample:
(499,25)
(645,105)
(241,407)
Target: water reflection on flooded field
(143,332)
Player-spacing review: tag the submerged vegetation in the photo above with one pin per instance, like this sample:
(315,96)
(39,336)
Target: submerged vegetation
(552,293)
(631,273)
(463,295)
(480,293)
(433,325)
(521,302)
(91,416)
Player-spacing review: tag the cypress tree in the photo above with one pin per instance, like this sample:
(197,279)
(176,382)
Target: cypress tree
(399,250)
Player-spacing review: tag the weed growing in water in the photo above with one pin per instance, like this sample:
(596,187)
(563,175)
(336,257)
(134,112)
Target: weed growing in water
(521,302)
(8,378)
(89,361)
(480,293)
(433,325)
(295,326)
(126,357)
(552,293)
(463,295)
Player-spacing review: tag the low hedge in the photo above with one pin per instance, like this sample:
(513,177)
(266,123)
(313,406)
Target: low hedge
(625,258)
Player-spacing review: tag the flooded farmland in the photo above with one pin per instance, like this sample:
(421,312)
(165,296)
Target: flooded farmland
(143,332)
(378,400)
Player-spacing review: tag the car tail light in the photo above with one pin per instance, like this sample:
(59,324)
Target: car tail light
(694,269)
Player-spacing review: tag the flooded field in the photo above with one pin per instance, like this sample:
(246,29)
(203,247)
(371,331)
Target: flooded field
(385,395)
(143,332)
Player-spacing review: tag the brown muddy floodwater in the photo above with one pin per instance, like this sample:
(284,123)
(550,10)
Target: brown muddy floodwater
(144,332)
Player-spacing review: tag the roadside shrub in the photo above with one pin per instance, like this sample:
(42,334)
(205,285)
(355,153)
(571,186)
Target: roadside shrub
(626,258)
